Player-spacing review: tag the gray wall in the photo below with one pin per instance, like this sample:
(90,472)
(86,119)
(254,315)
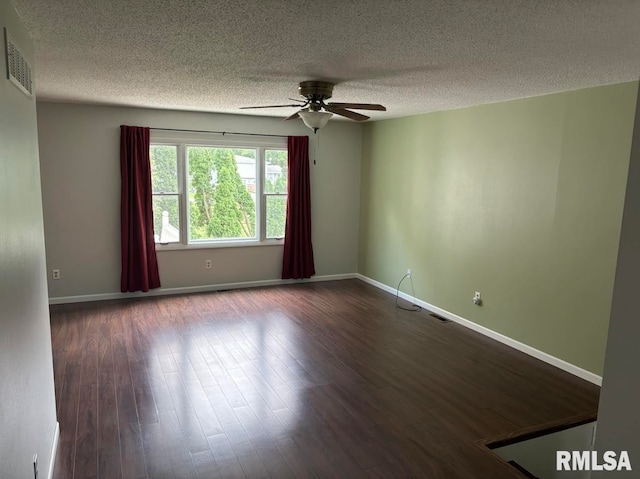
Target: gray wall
(618,414)
(79,154)
(27,402)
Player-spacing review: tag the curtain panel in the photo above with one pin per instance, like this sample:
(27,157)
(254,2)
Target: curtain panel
(139,261)
(297,259)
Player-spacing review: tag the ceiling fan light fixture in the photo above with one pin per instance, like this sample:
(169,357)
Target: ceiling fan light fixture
(315,119)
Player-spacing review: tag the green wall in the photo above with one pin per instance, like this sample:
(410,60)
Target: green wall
(520,200)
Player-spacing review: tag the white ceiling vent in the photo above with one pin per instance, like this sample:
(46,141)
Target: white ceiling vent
(18,70)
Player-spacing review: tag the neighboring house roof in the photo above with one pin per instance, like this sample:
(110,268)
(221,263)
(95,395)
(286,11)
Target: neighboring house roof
(247,168)
(169,233)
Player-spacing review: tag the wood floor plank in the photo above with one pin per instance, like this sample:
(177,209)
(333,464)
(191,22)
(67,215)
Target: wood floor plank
(225,457)
(307,380)
(177,446)
(86,465)
(205,465)
(296,461)
(68,419)
(157,459)
(134,465)
(108,430)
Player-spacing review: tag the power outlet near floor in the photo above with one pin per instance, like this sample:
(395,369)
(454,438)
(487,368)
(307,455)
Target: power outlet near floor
(55,274)
(477,299)
(409,272)
(208,264)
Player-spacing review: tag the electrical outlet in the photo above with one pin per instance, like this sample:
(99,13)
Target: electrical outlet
(409,272)
(56,274)
(208,264)
(477,299)
(35,466)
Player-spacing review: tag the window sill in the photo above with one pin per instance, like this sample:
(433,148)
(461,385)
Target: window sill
(226,244)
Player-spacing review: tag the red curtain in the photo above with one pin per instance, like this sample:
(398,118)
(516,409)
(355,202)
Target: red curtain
(298,251)
(139,262)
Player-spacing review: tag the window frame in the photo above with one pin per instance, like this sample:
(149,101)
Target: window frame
(265,195)
(183,140)
(180,193)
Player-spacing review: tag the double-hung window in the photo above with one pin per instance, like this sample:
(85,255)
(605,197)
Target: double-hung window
(275,192)
(218,192)
(166,186)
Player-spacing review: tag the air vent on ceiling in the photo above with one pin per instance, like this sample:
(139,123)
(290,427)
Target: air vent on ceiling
(18,69)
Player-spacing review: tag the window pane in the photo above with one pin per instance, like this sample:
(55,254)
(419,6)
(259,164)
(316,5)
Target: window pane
(275,171)
(222,193)
(166,219)
(276,215)
(164,168)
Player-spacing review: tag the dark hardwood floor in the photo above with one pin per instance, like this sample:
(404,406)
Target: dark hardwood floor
(316,380)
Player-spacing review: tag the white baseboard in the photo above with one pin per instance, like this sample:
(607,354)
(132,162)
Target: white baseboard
(547,358)
(54,450)
(196,289)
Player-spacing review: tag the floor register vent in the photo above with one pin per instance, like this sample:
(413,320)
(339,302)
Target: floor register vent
(18,69)
(439,318)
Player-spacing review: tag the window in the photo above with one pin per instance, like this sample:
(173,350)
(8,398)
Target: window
(275,192)
(165,186)
(214,194)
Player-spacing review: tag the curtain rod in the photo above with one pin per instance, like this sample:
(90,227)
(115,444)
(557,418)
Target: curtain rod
(220,132)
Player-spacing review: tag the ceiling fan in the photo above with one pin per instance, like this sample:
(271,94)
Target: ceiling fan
(315,112)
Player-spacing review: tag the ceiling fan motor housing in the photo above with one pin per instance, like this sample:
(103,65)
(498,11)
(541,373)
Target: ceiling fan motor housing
(315,112)
(316,91)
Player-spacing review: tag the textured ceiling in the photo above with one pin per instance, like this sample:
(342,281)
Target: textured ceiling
(413,56)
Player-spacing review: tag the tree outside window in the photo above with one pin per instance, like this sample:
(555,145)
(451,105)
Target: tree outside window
(223,188)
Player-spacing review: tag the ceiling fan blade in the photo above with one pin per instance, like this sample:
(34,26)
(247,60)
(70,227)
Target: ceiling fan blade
(358,106)
(347,113)
(269,106)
